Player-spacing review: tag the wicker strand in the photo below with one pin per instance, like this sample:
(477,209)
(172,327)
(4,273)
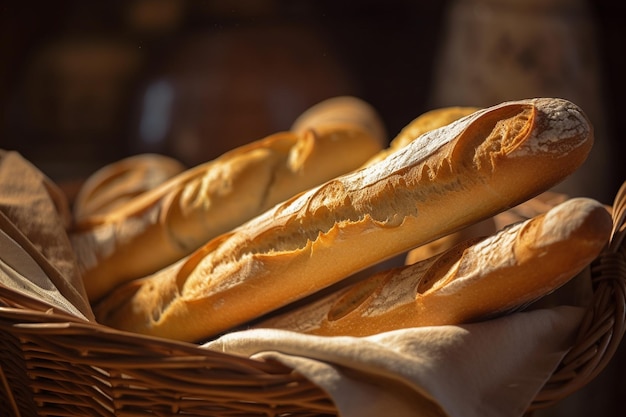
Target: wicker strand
(7,390)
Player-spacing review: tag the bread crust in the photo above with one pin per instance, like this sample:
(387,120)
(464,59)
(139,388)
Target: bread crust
(432,119)
(114,184)
(473,280)
(157,228)
(524,211)
(451,177)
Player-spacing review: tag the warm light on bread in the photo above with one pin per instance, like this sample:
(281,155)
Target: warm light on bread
(473,280)
(160,226)
(445,180)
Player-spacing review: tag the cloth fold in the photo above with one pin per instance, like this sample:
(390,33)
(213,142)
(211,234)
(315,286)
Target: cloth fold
(34,215)
(493,368)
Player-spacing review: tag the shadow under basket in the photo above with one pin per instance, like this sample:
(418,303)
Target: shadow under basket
(53,364)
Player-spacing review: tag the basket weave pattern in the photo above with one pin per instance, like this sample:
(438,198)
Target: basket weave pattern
(604,324)
(53,364)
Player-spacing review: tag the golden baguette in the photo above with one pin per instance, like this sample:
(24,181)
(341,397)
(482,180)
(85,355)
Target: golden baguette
(114,184)
(455,176)
(162,225)
(471,281)
(531,208)
(338,111)
(432,119)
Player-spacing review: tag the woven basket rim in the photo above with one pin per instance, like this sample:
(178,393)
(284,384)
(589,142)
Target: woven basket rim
(237,383)
(604,324)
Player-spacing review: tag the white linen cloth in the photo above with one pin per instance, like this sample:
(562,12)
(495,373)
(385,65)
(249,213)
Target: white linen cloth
(489,369)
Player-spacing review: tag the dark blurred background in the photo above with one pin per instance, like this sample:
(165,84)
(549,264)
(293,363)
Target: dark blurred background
(85,83)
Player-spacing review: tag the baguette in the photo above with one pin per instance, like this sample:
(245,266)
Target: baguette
(114,184)
(161,226)
(423,123)
(524,211)
(338,111)
(472,281)
(450,178)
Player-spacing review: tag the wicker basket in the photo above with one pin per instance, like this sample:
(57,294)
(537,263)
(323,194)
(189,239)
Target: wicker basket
(55,364)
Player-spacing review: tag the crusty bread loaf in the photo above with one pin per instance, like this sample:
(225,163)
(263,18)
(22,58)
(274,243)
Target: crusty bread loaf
(161,226)
(471,281)
(338,111)
(462,173)
(114,184)
(435,119)
(524,211)
(425,122)
(432,119)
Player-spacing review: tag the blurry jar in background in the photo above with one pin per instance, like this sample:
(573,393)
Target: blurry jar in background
(222,87)
(499,50)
